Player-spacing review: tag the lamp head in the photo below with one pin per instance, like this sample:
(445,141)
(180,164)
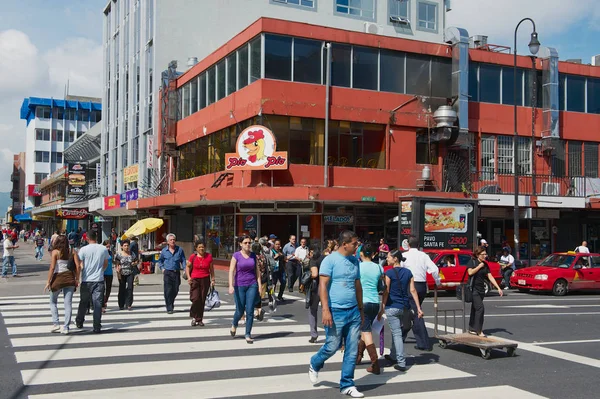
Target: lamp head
(534,43)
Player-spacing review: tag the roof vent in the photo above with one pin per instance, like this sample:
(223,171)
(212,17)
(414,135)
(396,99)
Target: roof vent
(445,116)
(192,61)
(478,41)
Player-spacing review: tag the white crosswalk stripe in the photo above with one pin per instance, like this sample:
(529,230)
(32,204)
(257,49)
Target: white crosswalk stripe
(151,354)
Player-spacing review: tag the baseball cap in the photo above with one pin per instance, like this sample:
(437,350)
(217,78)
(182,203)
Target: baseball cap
(272,236)
(483,242)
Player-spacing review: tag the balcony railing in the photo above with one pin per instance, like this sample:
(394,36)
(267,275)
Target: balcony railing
(483,182)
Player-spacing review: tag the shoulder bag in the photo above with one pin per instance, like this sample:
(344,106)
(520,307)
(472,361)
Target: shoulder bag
(407,313)
(381,285)
(212,299)
(467,288)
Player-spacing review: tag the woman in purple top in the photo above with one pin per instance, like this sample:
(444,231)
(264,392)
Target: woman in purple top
(244,280)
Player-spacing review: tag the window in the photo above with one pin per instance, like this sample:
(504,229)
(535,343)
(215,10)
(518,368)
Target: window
(210,77)
(57,135)
(303,146)
(391,75)
(340,65)
(84,115)
(441,77)
(558,160)
(135,150)
(301,3)
(575,93)
(427,153)
(79,134)
(124,155)
(255,63)
(508,89)
(593,96)
(524,151)
(591,159)
(42,134)
(69,137)
(489,83)
(417,74)
(505,155)
(194,96)
(42,112)
(307,61)
(575,158)
(39,177)
(465,260)
(427,16)
(488,157)
(42,156)
(58,113)
(221,81)
(57,157)
(202,102)
(231,73)
(242,54)
(70,114)
(398,8)
(278,57)
(364,9)
(474,81)
(185,110)
(365,68)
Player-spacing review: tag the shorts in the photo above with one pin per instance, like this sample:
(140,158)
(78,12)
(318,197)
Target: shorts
(370,310)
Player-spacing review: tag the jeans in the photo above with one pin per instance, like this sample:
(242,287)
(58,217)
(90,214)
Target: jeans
(346,326)
(506,273)
(394,318)
(93,291)
(293,272)
(279,275)
(125,297)
(9,261)
(68,301)
(39,252)
(171,282)
(477,312)
(419,329)
(244,298)
(312,312)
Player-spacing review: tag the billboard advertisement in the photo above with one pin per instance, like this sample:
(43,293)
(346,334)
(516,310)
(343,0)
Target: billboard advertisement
(256,149)
(76,179)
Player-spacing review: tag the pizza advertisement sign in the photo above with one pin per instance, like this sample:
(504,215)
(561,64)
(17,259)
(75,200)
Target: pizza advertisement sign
(447,224)
(256,149)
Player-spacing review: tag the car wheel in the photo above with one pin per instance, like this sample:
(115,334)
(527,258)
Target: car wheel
(523,290)
(560,288)
(488,287)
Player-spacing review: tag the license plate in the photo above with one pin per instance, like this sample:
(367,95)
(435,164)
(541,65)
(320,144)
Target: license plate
(521,282)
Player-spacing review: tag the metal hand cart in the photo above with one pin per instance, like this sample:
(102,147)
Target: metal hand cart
(445,337)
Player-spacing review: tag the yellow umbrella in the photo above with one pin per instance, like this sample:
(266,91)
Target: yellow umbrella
(143,226)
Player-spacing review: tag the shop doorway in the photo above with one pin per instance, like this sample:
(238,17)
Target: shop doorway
(281,225)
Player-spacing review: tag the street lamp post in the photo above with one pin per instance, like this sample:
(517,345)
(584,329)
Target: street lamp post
(534,46)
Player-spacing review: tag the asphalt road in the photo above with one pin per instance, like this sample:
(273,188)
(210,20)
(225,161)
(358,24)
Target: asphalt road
(147,353)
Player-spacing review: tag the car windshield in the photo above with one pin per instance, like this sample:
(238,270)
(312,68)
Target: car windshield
(432,255)
(557,260)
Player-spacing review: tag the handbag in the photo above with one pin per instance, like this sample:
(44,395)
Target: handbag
(465,289)
(306,278)
(212,300)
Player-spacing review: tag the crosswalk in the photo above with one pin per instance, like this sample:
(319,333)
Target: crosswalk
(147,353)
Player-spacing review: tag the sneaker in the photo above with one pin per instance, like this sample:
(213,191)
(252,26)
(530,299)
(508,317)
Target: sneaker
(78,325)
(97,331)
(313,375)
(65,331)
(55,329)
(312,340)
(506,288)
(353,392)
(400,368)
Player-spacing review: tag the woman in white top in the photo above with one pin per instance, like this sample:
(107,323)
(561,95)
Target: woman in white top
(61,278)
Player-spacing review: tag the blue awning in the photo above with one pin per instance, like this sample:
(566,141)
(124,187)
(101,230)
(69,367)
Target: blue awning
(24,217)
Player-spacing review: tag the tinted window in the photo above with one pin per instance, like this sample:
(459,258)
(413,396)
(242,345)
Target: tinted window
(194,95)
(508,90)
(340,65)
(473,81)
(255,67)
(561,92)
(593,96)
(307,61)
(575,93)
(221,79)
(202,84)
(417,74)
(231,74)
(278,57)
(364,74)
(441,77)
(489,81)
(243,67)
(210,76)
(392,71)
(464,260)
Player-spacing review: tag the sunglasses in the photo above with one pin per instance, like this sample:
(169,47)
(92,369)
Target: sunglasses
(246,243)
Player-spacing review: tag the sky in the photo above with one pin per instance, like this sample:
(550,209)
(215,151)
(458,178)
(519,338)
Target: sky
(45,43)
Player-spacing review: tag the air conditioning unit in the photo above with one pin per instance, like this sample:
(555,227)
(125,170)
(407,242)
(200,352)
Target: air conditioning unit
(478,41)
(372,28)
(551,189)
(400,20)
(596,60)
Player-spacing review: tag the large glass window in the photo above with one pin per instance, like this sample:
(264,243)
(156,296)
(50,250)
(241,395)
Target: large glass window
(391,66)
(575,158)
(212,88)
(194,95)
(417,74)
(185,108)
(304,148)
(242,67)
(57,135)
(307,61)
(221,80)
(340,64)
(575,93)
(427,153)
(365,68)
(202,91)
(593,96)
(42,134)
(474,81)
(441,77)
(489,83)
(255,66)
(508,89)
(561,92)
(56,157)
(359,8)
(427,16)
(231,73)
(42,156)
(278,57)
(43,112)
(591,159)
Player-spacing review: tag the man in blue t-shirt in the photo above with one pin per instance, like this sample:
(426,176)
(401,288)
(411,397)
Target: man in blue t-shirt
(340,292)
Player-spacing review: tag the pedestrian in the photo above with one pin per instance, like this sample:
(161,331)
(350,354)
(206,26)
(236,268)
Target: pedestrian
(72,237)
(135,252)
(479,272)
(292,267)
(63,279)
(261,265)
(244,279)
(507,262)
(94,260)
(279,268)
(312,292)
(583,248)
(51,246)
(419,263)
(126,265)
(201,277)
(301,254)
(171,261)
(370,275)
(383,251)
(267,274)
(8,258)
(399,281)
(39,247)
(108,276)
(272,239)
(340,292)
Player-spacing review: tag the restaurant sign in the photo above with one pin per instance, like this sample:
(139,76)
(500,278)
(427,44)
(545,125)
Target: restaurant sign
(76,178)
(339,219)
(71,213)
(256,150)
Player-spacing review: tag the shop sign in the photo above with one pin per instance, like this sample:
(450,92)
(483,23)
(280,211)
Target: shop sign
(102,219)
(368,199)
(95,226)
(33,190)
(130,174)
(71,213)
(250,222)
(447,225)
(405,219)
(256,150)
(76,178)
(339,219)
(98,175)
(131,195)
(112,202)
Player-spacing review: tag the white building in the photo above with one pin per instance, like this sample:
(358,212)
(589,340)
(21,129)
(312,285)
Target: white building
(52,125)
(141,37)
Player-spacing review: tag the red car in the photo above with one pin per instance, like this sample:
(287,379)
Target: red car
(453,264)
(560,273)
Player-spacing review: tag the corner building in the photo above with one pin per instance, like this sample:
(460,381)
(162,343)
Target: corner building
(386,141)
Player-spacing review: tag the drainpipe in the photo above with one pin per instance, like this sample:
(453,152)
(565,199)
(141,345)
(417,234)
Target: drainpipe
(326,144)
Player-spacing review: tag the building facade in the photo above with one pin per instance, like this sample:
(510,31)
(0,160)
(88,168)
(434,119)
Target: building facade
(17,193)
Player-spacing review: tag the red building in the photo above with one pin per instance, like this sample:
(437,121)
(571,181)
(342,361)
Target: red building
(382,134)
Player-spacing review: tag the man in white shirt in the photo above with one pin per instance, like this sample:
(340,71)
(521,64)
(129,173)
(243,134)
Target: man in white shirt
(301,253)
(9,256)
(507,262)
(419,263)
(583,249)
